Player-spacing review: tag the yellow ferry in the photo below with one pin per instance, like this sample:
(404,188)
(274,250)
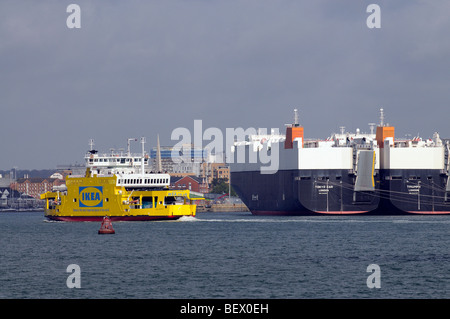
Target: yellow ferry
(119,186)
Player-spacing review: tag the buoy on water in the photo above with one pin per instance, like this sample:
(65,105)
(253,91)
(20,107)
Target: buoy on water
(106,227)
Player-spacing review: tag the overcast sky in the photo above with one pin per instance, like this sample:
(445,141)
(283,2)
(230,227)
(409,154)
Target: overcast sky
(142,68)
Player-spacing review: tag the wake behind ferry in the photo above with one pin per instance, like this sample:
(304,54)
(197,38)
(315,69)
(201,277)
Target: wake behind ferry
(120,186)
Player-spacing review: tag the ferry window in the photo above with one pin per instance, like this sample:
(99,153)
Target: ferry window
(140,181)
(147,202)
(106,200)
(122,161)
(74,200)
(170,200)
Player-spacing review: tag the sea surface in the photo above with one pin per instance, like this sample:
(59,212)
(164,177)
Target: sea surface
(227,255)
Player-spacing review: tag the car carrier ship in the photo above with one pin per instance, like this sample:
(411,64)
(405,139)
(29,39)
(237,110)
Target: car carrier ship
(120,186)
(349,173)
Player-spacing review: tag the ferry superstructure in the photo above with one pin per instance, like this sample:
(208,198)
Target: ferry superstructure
(121,186)
(349,173)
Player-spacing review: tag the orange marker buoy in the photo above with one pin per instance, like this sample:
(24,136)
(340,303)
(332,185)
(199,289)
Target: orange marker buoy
(106,227)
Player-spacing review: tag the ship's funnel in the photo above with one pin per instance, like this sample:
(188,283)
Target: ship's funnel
(293,131)
(384,131)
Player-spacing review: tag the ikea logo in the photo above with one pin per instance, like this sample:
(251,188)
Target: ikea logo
(91,196)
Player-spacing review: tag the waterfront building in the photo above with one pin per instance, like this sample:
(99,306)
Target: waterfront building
(35,186)
(193,183)
(175,164)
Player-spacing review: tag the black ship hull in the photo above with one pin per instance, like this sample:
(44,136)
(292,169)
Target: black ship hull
(322,192)
(303,193)
(414,191)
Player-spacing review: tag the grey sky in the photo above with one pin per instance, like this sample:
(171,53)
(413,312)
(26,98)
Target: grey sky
(139,68)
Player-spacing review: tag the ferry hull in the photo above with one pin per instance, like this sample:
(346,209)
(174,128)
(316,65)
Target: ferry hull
(114,218)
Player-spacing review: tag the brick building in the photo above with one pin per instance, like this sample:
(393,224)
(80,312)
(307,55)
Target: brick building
(192,183)
(36,186)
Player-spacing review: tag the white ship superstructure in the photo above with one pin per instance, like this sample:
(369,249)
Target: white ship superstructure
(132,170)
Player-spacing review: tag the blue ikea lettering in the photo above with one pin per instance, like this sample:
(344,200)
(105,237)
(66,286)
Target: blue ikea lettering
(91,196)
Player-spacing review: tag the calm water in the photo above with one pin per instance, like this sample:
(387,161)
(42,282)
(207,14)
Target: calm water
(227,255)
